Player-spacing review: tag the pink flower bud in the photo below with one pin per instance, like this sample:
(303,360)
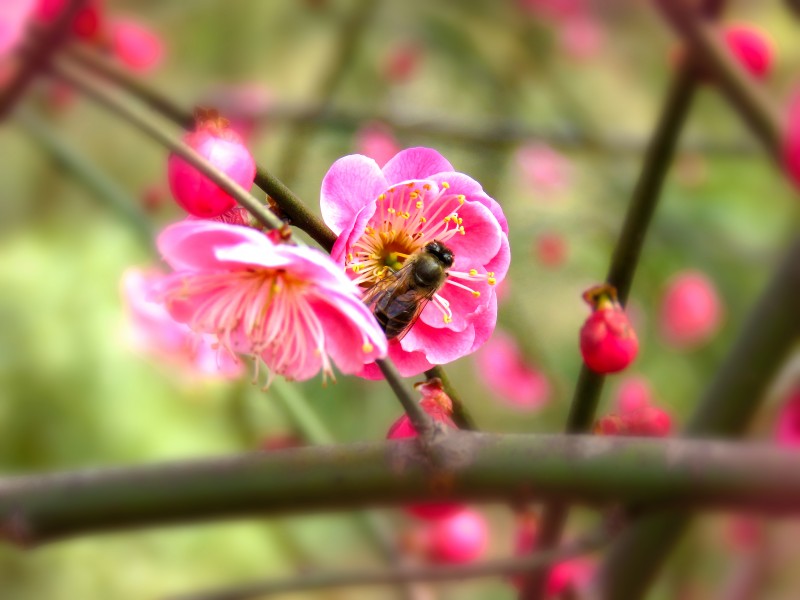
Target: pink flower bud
(691,312)
(787,432)
(608,341)
(136,46)
(462,538)
(439,406)
(220,145)
(648,421)
(752,48)
(633,394)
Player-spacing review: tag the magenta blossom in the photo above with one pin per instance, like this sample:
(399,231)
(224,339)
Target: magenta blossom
(384,216)
(152,331)
(288,305)
(509,376)
(787,431)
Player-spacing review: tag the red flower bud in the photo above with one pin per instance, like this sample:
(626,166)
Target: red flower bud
(608,341)
(751,47)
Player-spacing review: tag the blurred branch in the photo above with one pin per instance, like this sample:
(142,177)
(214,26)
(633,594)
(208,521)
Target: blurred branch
(38,54)
(341,56)
(97,93)
(315,581)
(769,333)
(105,190)
(677,473)
(498,134)
(622,269)
(734,82)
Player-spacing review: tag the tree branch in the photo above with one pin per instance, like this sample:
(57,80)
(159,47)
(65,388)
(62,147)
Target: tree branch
(592,470)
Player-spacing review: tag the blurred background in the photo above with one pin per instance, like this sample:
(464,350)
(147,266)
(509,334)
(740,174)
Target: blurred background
(548,104)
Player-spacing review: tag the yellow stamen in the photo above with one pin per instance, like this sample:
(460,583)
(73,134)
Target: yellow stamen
(491,280)
(445,185)
(419,204)
(473,272)
(476,293)
(461,198)
(367,348)
(461,230)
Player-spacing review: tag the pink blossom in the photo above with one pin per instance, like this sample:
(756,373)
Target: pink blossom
(87,24)
(582,37)
(569,575)
(554,10)
(634,392)
(752,47)
(152,331)
(291,306)
(787,432)
(791,138)
(551,249)
(508,376)
(544,169)
(691,312)
(136,45)
(384,216)
(14,16)
(402,61)
(376,141)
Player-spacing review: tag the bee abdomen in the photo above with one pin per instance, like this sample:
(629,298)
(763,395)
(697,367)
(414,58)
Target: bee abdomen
(396,315)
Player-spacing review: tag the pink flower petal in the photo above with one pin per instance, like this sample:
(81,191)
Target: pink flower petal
(440,346)
(415,163)
(352,183)
(481,241)
(463,184)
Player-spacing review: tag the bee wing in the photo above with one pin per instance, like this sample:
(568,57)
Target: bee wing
(398,288)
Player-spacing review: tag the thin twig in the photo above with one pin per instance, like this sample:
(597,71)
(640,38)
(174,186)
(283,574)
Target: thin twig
(403,574)
(38,55)
(422,423)
(96,92)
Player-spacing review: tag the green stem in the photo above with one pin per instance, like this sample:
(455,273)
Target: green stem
(678,473)
(770,332)
(106,190)
(242,196)
(402,574)
(36,58)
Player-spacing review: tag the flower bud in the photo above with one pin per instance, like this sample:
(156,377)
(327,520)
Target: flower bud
(608,341)
(462,538)
(691,312)
(438,405)
(751,47)
(223,148)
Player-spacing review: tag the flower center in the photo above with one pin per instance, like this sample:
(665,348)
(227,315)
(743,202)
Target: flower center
(407,217)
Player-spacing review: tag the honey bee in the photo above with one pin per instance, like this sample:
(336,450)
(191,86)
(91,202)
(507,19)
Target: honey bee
(398,299)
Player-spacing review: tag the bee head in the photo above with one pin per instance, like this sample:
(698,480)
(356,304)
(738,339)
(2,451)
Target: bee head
(442,253)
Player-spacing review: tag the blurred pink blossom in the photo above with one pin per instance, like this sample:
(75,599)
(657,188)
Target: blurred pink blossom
(508,376)
(787,431)
(633,393)
(582,37)
(691,311)
(14,16)
(376,141)
(402,61)
(383,216)
(152,331)
(136,45)
(544,169)
(289,305)
(87,24)
(550,248)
